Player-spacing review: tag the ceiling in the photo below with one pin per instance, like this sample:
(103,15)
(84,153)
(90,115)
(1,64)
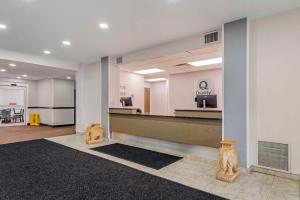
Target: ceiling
(33,72)
(36,25)
(177,63)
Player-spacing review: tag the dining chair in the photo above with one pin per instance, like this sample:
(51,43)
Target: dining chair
(18,115)
(6,116)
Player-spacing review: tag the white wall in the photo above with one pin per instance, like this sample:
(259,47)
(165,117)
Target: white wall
(32,93)
(181,88)
(134,86)
(52,93)
(63,96)
(63,93)
(62,117)
(114,83)
(14,95)
(45,93)
(166,96)
(88,99)
(159,98)
(274,76)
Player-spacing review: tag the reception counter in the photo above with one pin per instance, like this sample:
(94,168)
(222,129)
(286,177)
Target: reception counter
(203,130)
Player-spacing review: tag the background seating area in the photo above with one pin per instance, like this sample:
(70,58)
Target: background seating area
(9,115)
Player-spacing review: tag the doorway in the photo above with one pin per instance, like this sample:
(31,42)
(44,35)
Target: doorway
(147,100)
(12,105)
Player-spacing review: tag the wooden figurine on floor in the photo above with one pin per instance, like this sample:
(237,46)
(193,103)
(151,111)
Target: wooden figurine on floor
(228,164)
(94,134)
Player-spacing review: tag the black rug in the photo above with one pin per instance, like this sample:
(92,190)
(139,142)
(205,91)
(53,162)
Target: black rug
(41,169)
(141,156)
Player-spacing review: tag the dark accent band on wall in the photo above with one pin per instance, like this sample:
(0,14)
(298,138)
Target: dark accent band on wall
(35,107)
(56,126)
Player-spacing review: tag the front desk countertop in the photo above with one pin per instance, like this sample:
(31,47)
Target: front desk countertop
(199,110)
(124,108)
(166,116)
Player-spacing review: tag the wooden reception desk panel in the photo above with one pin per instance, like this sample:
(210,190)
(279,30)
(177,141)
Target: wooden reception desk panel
(186,130)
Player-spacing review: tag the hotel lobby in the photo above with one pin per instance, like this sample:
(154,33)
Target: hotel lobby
(146,100)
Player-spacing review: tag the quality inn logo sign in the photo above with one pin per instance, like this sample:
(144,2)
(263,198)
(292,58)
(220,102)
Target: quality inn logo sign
(203,87)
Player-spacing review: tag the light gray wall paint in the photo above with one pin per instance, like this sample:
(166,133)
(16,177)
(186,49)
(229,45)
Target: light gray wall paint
(235,86)
(105,95)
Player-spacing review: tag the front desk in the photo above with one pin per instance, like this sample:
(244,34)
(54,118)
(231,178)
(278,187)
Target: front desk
(203,130)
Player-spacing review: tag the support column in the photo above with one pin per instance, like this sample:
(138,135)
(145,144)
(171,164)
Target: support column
(105,95)
(235,86)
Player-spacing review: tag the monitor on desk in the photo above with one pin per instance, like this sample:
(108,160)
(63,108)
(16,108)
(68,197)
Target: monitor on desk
(126,101)
(206,101)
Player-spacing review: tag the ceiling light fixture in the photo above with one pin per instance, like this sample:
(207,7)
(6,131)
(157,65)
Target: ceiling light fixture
(66,43)
(156,79)
(69,77)
(47,52)
(24,75)
(13,65)
(19,77)
(2,70)
(2,26)
(207,62)
(149,71)
(103,25)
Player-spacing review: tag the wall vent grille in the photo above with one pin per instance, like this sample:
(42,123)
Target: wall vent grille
(119,60)
(273,155)
(211,37)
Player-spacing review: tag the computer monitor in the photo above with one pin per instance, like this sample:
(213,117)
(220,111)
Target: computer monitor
(207,101)
(126,101)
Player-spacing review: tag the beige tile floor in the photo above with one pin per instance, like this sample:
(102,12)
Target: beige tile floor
(200,174)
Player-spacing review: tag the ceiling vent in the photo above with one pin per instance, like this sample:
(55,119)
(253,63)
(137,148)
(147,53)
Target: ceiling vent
(183,66)
(211,37)
(273,155)
(119,60)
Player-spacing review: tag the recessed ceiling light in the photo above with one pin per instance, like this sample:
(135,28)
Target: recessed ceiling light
(2,26)
(104,25)
(68,77)
(149,71)
(24,75)
(2,70)
(12,65)
(47,52)
(156,79)
(66,43)
(206,62)
(19,77)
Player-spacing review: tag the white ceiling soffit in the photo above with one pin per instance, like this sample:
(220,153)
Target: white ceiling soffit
(33,71)
(35,25)
(169,61)
(37,60)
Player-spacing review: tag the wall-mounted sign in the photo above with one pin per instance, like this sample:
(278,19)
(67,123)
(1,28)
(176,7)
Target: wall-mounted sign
(203,87)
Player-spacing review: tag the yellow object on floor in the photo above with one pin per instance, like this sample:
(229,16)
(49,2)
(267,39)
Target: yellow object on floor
(94,134)
(34,119)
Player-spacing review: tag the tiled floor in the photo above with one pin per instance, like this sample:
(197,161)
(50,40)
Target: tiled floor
(200,174)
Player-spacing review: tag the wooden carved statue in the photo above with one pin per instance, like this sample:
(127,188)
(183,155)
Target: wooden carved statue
(94,134)
(228,164)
